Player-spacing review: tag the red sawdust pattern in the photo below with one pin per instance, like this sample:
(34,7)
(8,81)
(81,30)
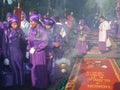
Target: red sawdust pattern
(94,74)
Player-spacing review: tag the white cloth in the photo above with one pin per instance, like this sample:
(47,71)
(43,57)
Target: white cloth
(25,25)
(6,61)
(103,31)
(27,55)
(81,27)
(32,51)
(63,32)
(108,43)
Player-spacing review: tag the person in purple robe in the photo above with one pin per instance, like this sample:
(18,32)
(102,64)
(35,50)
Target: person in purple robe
(59,47)
(13,49)
(81,44)
(37,43)
(59,42)
(53,50)
(6,25)
(49,26)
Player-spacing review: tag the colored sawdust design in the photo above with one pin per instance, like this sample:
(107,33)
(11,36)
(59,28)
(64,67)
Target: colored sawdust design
(96,64)
(94,74)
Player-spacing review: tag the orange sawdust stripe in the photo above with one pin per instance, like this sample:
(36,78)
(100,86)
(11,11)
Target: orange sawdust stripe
(72,80)
(116,73)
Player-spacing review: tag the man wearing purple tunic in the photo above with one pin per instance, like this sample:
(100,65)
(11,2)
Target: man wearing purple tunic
(15,56)
(49,25)
(54,49)
(81,43)
(37,43)
(59,42)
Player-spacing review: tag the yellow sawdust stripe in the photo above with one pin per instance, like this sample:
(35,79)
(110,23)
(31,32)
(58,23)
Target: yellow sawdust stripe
(114,70)
(76,73)
(116,65)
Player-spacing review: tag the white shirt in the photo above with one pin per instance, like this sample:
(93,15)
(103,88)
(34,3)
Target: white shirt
(104,26)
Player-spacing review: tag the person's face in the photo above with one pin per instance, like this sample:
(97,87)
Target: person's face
(8,19)
(22,17)
(47,26)
(33,23)
(101,20)
(14,25)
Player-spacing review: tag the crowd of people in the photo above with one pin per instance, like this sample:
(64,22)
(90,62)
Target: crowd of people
(42,41)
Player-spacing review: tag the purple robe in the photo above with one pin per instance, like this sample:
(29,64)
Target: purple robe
(82,47)
(15,55)
(58,38)
(81,44)
(50,49)
(55,52)
(102,46)
(50,53)
(37,38)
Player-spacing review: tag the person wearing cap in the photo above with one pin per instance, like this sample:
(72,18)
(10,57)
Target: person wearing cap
(37,43)
(8,16)
(4,39)
(14,54)
(103,28)
(6,25)
(59,38)
(51,51)
(55,46)
(82,26)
